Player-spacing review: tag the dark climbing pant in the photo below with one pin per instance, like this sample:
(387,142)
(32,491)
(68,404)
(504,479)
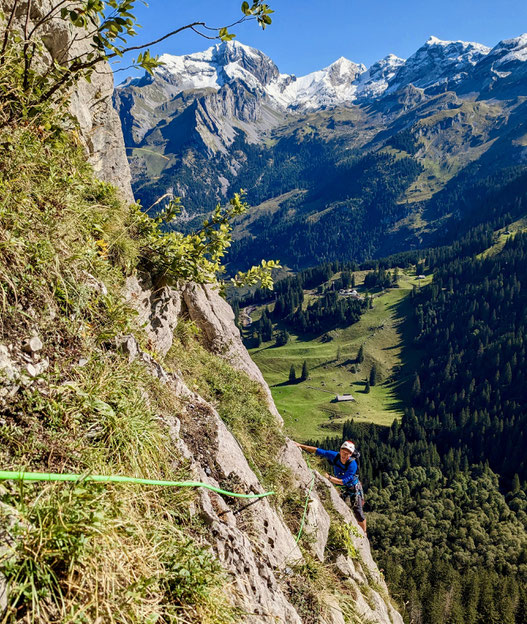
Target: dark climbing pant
(354,498)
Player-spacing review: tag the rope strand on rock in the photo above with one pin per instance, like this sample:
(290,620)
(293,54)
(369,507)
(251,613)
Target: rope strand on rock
(50,476)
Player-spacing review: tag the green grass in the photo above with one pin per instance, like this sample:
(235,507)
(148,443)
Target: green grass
(81,552)
(307,407)
(154,161)
(502,237)
(269,207)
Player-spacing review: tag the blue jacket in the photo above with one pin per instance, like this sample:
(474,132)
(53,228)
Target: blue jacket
(347,472)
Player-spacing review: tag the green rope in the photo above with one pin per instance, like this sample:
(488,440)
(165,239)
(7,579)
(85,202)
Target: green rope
(306,503)
(43,476)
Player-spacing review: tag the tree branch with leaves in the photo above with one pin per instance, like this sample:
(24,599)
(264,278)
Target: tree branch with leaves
(104,27)
(173,257)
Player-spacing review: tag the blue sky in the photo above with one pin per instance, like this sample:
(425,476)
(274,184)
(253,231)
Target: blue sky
(310,34)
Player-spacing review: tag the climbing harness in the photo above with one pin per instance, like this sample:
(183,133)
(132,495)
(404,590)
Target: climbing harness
(50,476)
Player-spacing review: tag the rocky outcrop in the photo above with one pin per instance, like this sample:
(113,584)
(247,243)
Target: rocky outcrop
(252,541)
(160,309)
(214,316)
(91,103)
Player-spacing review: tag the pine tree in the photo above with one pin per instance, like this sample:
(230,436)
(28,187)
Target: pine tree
(373,375)
(507,374)
(367,387)
(305,372)
(282,338)
(338,354)
(360,354)
(292,374)
(416,388)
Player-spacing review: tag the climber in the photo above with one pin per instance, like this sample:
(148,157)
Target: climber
(346,475)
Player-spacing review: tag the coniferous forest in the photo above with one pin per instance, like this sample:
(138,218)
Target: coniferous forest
(446,487)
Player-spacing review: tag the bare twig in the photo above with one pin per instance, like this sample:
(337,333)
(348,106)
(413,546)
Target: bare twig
(245,18)
(27,57)
(203,35)
(147,45)
(8,26)
(49,15)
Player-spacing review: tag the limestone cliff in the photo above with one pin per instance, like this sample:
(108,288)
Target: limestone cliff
(91,103)
(255,544)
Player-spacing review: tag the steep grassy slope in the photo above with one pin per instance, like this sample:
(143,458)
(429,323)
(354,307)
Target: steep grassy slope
(80,406)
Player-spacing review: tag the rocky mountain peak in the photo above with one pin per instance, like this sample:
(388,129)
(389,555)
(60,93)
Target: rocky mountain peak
(344,71)
(503,71)
(510,50)
(236,58)
(472,50)
(373,82)
(216,66)
(439,64)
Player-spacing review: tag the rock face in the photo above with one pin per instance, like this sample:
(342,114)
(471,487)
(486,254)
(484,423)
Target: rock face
(159,311)
(91,103)
(214,316)
(253,543)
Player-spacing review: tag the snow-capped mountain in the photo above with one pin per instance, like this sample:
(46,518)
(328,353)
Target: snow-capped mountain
(502,73)
(439,65)
(232,87)
(229,62)
(207,124)
(435,67)
(331,86)
(219,65)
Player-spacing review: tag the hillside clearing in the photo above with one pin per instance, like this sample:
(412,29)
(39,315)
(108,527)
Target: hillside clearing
(308,408)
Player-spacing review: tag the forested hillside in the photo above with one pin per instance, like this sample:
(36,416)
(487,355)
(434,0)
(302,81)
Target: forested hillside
(365,163)
(446,486)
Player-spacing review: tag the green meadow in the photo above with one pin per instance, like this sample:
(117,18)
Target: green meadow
(309,408)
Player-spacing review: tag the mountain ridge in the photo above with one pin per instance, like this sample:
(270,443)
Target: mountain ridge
(228,61)
(208,124)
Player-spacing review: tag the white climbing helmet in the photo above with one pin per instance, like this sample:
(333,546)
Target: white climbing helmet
(348,445)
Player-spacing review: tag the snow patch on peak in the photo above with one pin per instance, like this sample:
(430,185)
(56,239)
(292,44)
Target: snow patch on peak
(374,82)
(191,71)
(460,45)
(237,45)
(326,87)
(435,41)
(439,64)
(511,50)
(229,51)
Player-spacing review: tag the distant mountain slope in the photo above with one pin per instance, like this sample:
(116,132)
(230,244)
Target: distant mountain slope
(373,160)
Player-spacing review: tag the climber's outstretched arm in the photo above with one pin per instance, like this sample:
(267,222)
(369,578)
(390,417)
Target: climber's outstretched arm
(305,447)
